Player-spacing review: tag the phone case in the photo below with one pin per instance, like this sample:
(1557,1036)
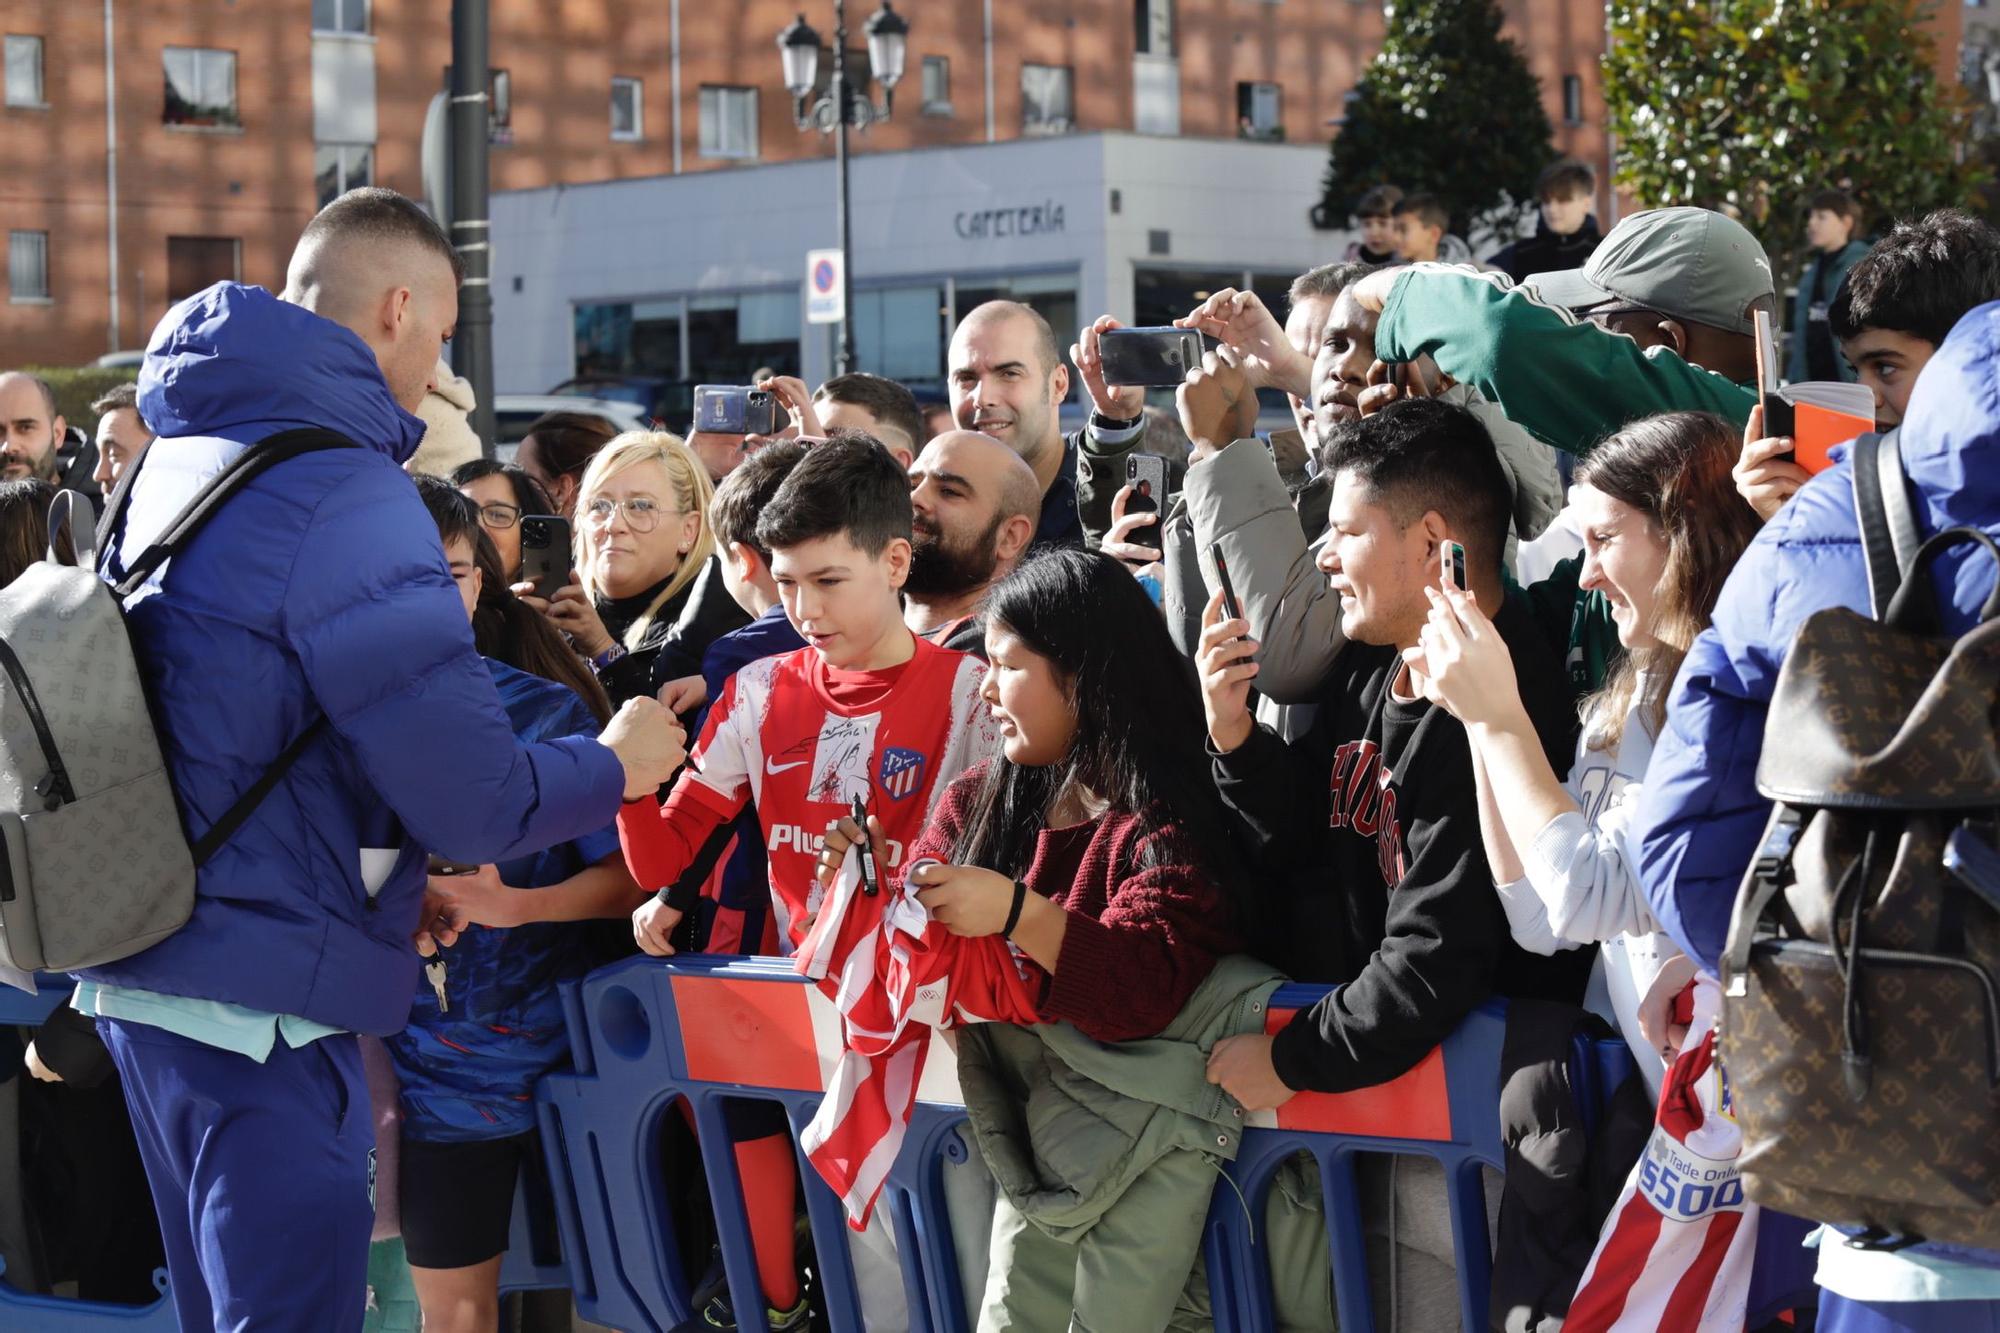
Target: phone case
(1151,357)
(545,564)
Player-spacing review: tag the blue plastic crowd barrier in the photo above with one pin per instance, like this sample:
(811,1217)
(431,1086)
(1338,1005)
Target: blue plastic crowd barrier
(698,1032)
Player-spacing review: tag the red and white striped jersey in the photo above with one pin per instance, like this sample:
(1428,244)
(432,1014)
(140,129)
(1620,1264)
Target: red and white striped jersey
(895,976)
(1677,1249)
(778,737)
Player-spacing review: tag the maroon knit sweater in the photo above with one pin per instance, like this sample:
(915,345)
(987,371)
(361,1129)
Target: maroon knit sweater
(1139,939)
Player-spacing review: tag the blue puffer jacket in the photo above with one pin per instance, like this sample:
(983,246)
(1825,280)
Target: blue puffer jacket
(319,589)
(1700,818)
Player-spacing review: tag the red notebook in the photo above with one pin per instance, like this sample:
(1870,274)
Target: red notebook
(1818,414)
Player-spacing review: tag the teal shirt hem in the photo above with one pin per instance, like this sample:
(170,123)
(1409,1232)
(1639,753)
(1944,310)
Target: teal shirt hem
(228,1027)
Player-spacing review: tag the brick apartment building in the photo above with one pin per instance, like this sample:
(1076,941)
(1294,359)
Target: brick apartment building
(232,120)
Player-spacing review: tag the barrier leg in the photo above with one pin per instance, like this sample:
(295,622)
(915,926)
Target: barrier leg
(1347,1237)
(840,1297)
(732,1223)
(1471,1240)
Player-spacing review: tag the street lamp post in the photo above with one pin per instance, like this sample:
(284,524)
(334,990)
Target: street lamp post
(798,46)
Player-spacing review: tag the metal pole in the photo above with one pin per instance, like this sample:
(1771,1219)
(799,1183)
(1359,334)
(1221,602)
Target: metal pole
(472,346)
(111,175)
(844,362)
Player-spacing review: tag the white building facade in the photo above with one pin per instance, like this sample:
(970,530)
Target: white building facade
(702,277)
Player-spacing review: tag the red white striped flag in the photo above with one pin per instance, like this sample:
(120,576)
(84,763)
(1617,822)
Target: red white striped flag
(1677,1248)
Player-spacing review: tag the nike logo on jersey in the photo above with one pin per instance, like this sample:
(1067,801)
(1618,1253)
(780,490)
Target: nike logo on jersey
(772,768)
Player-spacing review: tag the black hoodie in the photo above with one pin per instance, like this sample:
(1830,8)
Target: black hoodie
(1546,252)
(1368,827)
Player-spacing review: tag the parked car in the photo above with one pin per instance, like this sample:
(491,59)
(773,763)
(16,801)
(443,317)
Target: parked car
(670,402)
(127,360)
(514,413)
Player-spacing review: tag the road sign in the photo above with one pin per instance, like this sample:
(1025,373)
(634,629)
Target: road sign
(824,290)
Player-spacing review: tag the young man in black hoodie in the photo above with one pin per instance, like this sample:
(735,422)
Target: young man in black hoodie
(1566,233)
(1369,822)
(1370,819)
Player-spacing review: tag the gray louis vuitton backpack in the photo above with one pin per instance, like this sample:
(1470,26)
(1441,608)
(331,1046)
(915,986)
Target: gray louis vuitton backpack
(97,862)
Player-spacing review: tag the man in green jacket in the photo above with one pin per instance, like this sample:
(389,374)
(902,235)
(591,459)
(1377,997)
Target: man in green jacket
(1681,285)
(1569,357)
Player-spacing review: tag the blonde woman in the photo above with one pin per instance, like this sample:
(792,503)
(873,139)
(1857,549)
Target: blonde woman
(647,596)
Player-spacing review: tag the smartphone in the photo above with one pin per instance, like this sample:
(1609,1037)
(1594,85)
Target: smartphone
(1231,607)
(1151,479)
(1452,557)
(1153,357)
(735,409)
(441,866)
(545,553)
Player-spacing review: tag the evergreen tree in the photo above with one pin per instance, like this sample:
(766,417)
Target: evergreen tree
(1756,104)
(1447,107)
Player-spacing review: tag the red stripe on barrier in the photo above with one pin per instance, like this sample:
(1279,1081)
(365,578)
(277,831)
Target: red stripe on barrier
(751,1032)
(1413,1105)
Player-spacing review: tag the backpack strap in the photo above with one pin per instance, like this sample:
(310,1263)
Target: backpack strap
(1890,537)
(209,843)
(62,517)
(246,468)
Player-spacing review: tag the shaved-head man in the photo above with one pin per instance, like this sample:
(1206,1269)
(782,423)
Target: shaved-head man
(315,618)
(364,265)
(975,506)
(34,429)
(1008,380)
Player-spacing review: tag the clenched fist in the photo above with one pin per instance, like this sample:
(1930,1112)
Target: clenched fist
(649,742)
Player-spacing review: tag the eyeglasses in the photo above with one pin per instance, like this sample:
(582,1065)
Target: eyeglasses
(641,514)
(499,515)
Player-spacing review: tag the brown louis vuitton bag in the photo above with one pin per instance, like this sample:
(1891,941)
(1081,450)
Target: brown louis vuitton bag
(1861,1023)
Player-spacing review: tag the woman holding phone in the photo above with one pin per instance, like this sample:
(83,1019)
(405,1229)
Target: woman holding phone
(648,597)
(1662,527)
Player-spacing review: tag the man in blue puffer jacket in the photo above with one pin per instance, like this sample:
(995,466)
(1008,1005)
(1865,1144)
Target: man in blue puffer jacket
(321,589)
(1701,818)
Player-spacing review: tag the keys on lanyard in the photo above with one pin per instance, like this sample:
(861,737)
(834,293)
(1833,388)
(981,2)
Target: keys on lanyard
(434,973)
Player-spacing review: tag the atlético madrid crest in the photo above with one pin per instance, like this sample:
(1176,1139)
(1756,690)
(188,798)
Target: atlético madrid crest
(902,772)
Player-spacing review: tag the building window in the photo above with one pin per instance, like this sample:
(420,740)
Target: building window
(201,87)
(628,110)
(1048,100)
(27,266)
(24,71)
(340,167)
(728,122)
(937,86)
(1260,111)
(1155,20)
(196,263)
(340,16)
(1572,100)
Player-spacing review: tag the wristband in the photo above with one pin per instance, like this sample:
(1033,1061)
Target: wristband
(608,656)
(1114,425)
(1014,912)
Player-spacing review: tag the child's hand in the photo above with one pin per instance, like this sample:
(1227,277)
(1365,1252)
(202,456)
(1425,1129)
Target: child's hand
(965,900)
(842,834)
(684,695)
(1764,480)
(653,927)
(1242,1066)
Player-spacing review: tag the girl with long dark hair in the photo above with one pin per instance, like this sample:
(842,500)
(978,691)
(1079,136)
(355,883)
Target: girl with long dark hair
(1095,845)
